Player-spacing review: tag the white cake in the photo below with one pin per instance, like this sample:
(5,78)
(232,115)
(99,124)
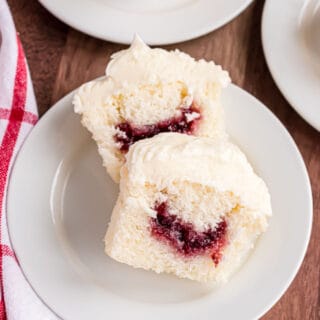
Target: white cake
(191,206)
(147,91)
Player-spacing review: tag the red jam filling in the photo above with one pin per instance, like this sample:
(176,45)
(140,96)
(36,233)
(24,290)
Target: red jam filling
(129,133)
(183,237)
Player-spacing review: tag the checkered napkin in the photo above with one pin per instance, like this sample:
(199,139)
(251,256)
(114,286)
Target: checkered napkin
(18,114)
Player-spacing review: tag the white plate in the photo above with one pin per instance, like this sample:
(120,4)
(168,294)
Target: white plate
(60,200)
(157,22)
(291,43)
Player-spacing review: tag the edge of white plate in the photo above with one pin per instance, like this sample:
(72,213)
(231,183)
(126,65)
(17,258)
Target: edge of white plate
(38,124)
(275,76)
(310,201)
(121,40)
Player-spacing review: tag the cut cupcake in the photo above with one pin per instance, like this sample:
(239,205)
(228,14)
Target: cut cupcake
(191,206)
(149,91)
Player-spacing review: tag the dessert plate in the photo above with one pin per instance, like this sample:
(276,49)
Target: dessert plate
(291,43)
(57,226)
(157,22)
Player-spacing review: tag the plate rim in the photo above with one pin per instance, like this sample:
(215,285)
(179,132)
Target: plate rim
(291,275)
(276,76)
(121,40)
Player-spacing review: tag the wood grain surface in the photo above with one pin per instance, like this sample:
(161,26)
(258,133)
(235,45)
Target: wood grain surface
(60,59)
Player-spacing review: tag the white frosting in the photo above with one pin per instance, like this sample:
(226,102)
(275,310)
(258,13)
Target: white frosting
(219,164)
(140,64)
(133,65)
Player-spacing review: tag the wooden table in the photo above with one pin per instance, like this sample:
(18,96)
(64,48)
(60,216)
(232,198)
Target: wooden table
(61,59)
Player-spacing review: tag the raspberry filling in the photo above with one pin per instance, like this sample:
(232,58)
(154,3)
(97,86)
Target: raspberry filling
(186,122)
(184,238)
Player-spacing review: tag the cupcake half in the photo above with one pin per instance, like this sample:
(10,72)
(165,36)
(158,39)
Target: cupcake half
(191,206)
(150,91)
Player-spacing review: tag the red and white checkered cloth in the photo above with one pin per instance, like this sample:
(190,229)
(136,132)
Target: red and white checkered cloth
(18,114)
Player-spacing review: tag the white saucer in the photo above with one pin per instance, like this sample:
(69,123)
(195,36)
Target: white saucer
(291,42)
(157,22)
(59,204)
